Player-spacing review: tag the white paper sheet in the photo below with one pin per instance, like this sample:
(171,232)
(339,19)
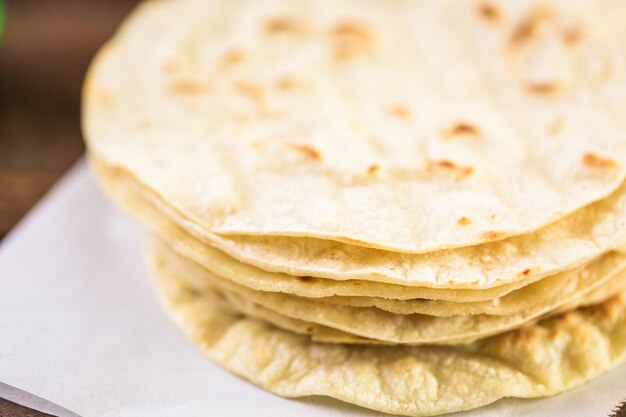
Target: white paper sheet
(81,328)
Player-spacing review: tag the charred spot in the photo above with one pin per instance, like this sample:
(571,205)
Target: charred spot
(529,26)
(462,129)
(350,38)
(401,112)
(356,30)
(592,160)
(463,221)
(306,278)
(491,235)
(449,167)
(526,272)
(544,88)
(306,151)
(188,87)
(373,169)
(284,25)
(572,35)
(489,12)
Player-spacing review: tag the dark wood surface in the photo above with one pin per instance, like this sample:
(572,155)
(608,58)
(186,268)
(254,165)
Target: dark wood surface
(44,54)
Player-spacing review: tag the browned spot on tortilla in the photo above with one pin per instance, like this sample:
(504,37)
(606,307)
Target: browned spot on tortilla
(232,56)
(489,12)
(491,235)
(463,221)
(306,151)
(528,27)
(542,88)
(285,83)
(309,329)
(284,25)
(610,309)
(352,29)
(306,278)
(462,129)
(592,160)
(525,337)
(350,38)
(373,169)
(401,112)
(572,35)
(253,93)
(449,167)
(526,271)
(188,87)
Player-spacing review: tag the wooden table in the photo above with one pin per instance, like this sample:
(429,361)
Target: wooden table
(43,57)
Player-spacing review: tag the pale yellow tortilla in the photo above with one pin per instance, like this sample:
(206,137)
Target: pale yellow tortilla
(603,278)
(499,300)
(500,266)
(546,358)
(343,120)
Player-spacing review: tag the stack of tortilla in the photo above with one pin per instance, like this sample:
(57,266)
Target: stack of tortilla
(414,206)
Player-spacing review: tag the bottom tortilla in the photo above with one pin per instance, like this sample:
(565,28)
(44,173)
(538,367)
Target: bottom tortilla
(545,358)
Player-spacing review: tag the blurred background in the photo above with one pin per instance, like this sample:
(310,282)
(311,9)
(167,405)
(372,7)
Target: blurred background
(44,53)
(45,50)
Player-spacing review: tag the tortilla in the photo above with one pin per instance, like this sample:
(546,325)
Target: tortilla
(546,358)
(242,115)
(603,276)
(511,263)
(344,207)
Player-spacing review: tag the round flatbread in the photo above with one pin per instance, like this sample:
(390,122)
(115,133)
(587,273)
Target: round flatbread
(344,121)
(546,358)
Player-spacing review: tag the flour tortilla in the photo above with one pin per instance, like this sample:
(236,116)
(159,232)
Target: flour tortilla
(546,358)
(221,264)
(239,304)
(344,121)
(376,324)
(151,212)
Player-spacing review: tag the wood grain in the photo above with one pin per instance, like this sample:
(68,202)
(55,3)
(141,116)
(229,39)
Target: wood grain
(44,54)
(9,409)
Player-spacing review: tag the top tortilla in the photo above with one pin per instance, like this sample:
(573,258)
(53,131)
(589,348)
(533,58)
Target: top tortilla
(345,121)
